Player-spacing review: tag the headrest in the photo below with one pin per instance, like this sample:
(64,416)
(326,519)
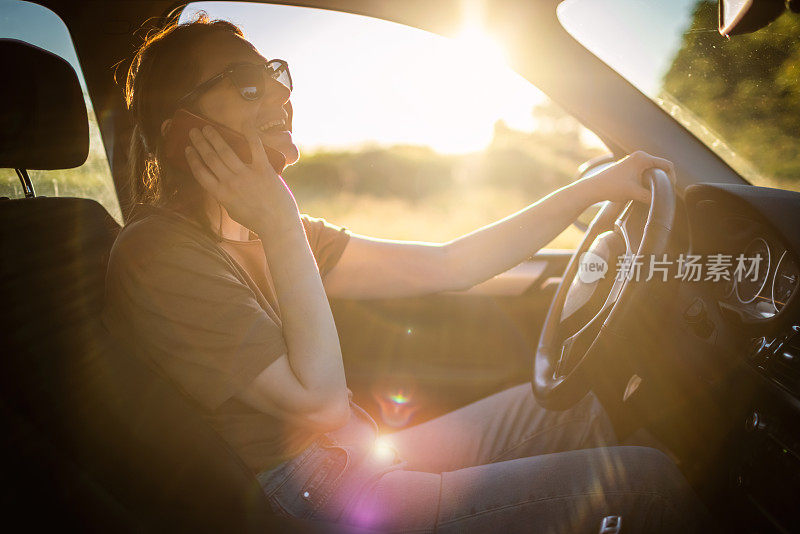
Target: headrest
(43,122)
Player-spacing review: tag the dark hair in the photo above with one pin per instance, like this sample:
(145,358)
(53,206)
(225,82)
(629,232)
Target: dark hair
(164,68)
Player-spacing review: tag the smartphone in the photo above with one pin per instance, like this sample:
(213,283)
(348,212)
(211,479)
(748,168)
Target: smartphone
(177,139)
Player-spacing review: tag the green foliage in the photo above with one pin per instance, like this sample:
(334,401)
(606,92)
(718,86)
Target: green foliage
(745,89)
(408,172)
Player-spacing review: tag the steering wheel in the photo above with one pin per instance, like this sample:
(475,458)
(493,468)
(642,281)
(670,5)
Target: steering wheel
(591,314)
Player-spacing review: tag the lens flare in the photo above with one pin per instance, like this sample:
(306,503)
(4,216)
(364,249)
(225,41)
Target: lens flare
(397,405)
(399,398)
(382,449)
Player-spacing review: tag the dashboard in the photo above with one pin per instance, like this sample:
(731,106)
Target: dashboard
(750,322)
(764,274)
(756,244)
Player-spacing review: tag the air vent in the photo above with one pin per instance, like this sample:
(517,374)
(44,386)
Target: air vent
(783,365)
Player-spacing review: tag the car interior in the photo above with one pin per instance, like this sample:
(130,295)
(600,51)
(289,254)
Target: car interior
(708,372)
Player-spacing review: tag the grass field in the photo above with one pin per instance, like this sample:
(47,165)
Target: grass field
(437,219)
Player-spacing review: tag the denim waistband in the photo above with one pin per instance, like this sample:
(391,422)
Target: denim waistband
(325,480)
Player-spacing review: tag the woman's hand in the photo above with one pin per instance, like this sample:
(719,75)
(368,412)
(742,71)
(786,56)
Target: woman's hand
(624,180)
(254,195)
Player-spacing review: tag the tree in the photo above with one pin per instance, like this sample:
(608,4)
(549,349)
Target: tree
(744,88)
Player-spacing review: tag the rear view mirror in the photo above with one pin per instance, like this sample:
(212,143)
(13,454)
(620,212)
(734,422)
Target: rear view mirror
(746,16)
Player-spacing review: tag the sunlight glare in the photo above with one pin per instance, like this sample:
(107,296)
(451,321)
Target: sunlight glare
(481,47)
(479,90)
(368,82)
(382,449)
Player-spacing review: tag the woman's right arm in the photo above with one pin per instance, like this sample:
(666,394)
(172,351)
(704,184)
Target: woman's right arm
(308,382)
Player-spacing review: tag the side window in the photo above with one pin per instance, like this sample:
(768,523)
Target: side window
(41,27)
(408,135)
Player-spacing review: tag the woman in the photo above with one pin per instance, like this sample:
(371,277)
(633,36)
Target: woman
(217,279)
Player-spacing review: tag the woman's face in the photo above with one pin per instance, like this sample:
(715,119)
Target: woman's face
(222,102)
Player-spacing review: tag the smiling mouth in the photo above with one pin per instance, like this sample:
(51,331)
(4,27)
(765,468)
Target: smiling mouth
(277,125)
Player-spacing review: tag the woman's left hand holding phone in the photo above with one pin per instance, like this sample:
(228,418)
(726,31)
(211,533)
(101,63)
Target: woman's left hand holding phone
(253,194)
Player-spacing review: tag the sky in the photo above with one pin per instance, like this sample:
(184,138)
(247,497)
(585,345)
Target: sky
(656,27)
(363,80)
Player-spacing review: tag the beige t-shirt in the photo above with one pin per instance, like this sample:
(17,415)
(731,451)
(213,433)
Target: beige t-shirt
(207,316)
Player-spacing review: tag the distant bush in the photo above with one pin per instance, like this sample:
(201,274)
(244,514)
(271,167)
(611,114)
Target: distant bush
(534,163)
(408,172)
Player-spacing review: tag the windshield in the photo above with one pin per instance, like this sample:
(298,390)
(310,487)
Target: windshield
(739,96)
(407,135)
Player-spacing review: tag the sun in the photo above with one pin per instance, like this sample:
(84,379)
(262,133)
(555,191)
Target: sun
(407,86)
(476,88)
(473,41)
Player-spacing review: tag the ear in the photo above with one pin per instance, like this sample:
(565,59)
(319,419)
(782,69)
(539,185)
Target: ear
(165,127)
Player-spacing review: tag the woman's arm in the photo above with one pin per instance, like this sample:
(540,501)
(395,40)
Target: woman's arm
(383,268)
(309,381)
(498,247)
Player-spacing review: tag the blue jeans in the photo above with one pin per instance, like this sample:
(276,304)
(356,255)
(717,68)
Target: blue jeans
(502,464)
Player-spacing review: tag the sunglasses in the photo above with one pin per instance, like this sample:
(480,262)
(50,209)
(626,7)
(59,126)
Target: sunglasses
(250,79)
